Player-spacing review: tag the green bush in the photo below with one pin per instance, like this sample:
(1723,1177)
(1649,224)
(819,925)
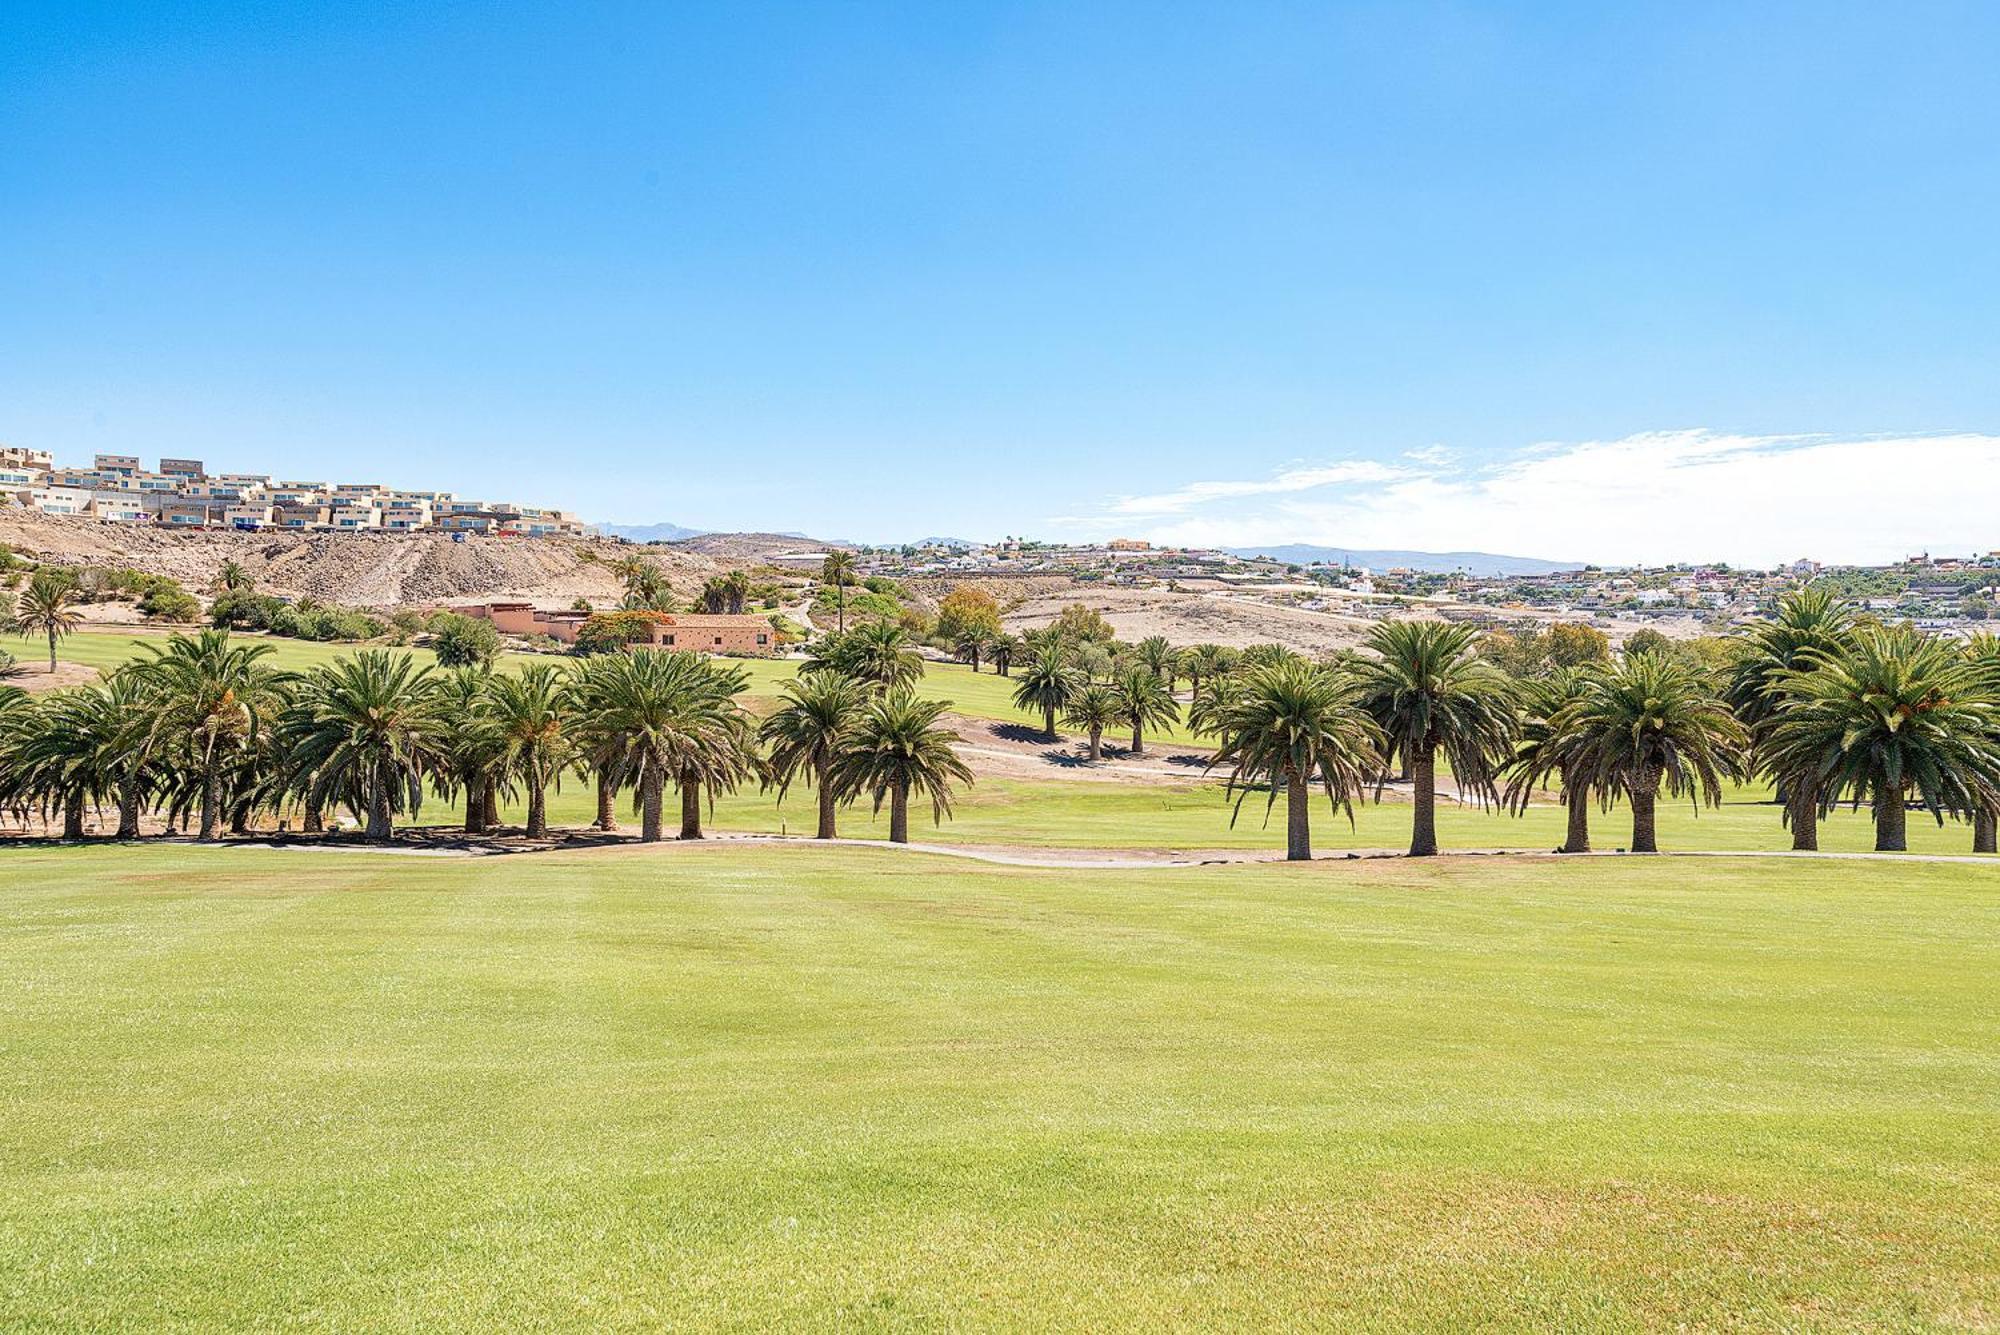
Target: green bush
(463,641)
(166,600)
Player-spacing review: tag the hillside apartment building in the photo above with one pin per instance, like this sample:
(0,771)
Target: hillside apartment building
(182,494)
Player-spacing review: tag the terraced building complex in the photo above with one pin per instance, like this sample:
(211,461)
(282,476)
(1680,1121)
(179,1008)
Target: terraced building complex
(182,494)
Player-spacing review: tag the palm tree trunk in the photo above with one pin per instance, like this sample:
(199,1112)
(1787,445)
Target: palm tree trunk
(1138,739)
(840,597)
(1097,744)
(1985,828)
(128,809)
(475,807)
(1645,794)
(1576,796)
(211,798)
(489,802)
(607,801)
(690,808)
(899,812)
(1049,722)
(72,817)
(1298,820)
(1423,780)
(826,805)
(52,648)
(650,821)
(1891,822)
(315,819)
(381,826)
(239,820)
(538,811)
(1803,805)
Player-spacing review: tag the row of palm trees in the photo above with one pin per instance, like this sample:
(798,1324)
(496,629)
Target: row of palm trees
(1827,707)
(206,732)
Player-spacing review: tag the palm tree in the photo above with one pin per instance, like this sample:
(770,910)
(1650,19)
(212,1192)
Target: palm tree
(719,753)
(1158,657)
(1003,651)
(1430,690)
(735,591)
(473,762)
(804,736)
(367,732)
(1545,749)
(48,607)
(1094,708)
(1048,683)
(1984,654)
(233,578)
(1292,725)
(879,654)
(1808,621)
(529,711)
(838,570)
(1896,714)
(666,711)
(211,701)
(601,749)
(896,751)
(55,753)
(1212,701)
(1204,662)
(971,643)
(1144,701)
(1650,723)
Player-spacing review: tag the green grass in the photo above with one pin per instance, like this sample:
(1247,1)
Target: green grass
(1080,813)
(804,1088)
(109,648)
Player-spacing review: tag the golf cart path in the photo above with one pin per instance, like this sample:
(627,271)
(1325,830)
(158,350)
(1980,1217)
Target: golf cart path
(1085,859)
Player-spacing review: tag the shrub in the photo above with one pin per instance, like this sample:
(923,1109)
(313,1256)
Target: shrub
(244,611)
(166,600)
(463,641)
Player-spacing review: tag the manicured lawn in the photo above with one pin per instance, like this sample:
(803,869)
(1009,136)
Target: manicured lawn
(109,648)
(1081,813)
(759,1087)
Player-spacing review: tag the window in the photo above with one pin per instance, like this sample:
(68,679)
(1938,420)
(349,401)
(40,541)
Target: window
(718,640)
(763,639)
(668,640)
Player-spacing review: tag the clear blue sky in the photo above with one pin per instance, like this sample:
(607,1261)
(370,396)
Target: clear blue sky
(884,271)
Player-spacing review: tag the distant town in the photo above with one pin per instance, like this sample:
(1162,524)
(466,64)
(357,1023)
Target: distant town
(181,493)
(1947,594)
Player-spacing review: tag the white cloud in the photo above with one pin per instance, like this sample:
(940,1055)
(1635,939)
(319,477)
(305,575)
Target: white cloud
(1196,494)
(1659,496)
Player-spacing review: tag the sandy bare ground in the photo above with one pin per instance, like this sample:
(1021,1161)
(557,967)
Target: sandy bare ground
(33,676)
(1186,617)
(1020,751)
(357,569)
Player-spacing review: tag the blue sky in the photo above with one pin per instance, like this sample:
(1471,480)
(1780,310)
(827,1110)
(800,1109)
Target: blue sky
(1570,280)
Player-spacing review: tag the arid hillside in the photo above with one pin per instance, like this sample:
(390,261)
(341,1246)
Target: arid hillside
(359,569)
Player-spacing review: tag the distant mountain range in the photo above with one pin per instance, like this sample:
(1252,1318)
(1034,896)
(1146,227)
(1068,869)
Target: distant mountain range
(649,532)
(1444,563)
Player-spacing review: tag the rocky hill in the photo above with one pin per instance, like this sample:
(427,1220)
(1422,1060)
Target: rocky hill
(358,569)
